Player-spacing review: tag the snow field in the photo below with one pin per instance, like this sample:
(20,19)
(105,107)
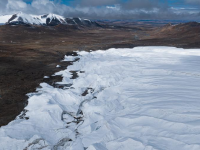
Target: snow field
(145,98)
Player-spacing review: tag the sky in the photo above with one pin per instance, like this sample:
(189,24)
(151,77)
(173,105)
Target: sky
(108,9)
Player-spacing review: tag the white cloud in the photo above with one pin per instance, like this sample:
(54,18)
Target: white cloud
(16,4)
(44,6)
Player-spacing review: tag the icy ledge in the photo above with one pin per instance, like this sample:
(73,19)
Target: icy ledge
(145,98)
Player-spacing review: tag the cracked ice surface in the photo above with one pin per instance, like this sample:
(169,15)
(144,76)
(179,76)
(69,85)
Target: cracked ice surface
(143,98)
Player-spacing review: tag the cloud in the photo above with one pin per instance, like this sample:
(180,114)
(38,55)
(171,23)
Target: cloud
(142,4)
(34,7)
(18,4)
(95,2)
(10,6)
(44,6)
(102,9)
(3,4)
(193,1)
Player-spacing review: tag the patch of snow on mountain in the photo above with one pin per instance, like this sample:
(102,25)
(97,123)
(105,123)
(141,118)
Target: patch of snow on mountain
(54,16)
(29,19)
(145,98)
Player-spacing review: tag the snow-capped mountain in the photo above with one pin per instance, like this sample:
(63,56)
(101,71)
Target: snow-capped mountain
(47,19)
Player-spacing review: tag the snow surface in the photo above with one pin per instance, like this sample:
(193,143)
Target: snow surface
(54,16)
(145,98)
(46,77)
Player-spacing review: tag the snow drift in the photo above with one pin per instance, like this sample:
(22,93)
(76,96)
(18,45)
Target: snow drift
(145,98)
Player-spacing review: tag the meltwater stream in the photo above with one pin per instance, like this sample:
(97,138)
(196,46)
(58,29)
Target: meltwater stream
(144,98)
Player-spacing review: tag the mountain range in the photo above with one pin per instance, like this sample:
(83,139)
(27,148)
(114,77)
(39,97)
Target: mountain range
(44,20)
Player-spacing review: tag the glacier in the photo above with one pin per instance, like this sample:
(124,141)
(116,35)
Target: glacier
(142,98)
